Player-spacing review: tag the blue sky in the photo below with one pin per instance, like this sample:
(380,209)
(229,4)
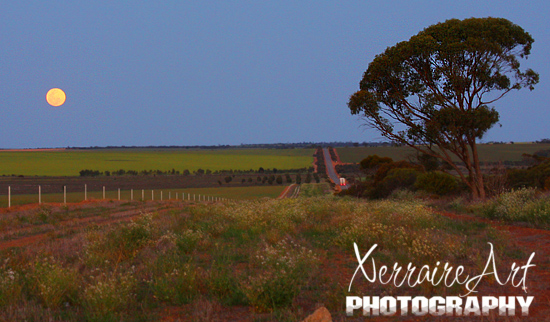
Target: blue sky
(223,72)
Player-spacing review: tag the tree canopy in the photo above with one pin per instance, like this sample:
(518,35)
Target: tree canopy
(435,91)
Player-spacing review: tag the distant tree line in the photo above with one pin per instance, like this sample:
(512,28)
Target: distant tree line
(321,166)
(299,145)
(186,172)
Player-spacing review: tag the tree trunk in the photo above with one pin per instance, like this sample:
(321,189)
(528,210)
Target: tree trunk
(478,175)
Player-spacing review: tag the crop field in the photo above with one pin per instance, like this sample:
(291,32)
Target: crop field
(70,162)
(487,152)
(247,260)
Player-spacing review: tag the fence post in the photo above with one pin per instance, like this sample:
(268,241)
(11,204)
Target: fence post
(103,192)
(176,196)
(132,194)
(9,196)
(152,195)
(169,195)
(118,193)
(39,195)
(161,195)
(65,195)
(143,194)
(85,192)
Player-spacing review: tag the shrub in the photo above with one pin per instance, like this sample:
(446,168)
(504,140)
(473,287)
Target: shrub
(10,285)
(519,205)
(119,243)
(430,163)
(438,183)
(223,284)
(373,161)
(288,178)
(401,178)
(135,234)
(54,285)
(285,268)
(385,169)
(187,241)
(177,285)
(534,176)
(108,295)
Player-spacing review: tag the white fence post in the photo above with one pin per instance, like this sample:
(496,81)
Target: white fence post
(9,196)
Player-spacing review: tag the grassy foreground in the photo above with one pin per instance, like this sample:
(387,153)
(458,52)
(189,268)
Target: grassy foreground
(276,258)
(70,162)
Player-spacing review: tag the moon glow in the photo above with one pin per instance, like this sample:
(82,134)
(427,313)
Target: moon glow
(56,97)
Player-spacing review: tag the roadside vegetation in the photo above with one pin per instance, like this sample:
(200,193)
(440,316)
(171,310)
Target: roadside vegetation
(514,194)
(524,205)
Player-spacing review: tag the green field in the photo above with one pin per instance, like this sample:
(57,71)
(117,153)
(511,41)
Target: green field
(487,152)
(70,162)
(240,193)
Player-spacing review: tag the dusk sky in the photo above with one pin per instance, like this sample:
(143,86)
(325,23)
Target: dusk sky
(223,72)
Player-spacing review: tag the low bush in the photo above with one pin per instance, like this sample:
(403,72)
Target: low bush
(285,268)
(518,205)
(400,178)
(54,284)
(108,296)
(10,285)
(385,168)
(438,183)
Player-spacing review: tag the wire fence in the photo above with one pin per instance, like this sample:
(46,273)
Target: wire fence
(10,200)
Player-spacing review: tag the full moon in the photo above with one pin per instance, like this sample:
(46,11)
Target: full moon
(55,97)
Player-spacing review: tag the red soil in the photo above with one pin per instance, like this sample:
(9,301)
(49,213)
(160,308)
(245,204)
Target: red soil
(529,240)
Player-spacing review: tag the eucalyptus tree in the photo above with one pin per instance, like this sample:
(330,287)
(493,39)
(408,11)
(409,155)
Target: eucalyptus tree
(435,92)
